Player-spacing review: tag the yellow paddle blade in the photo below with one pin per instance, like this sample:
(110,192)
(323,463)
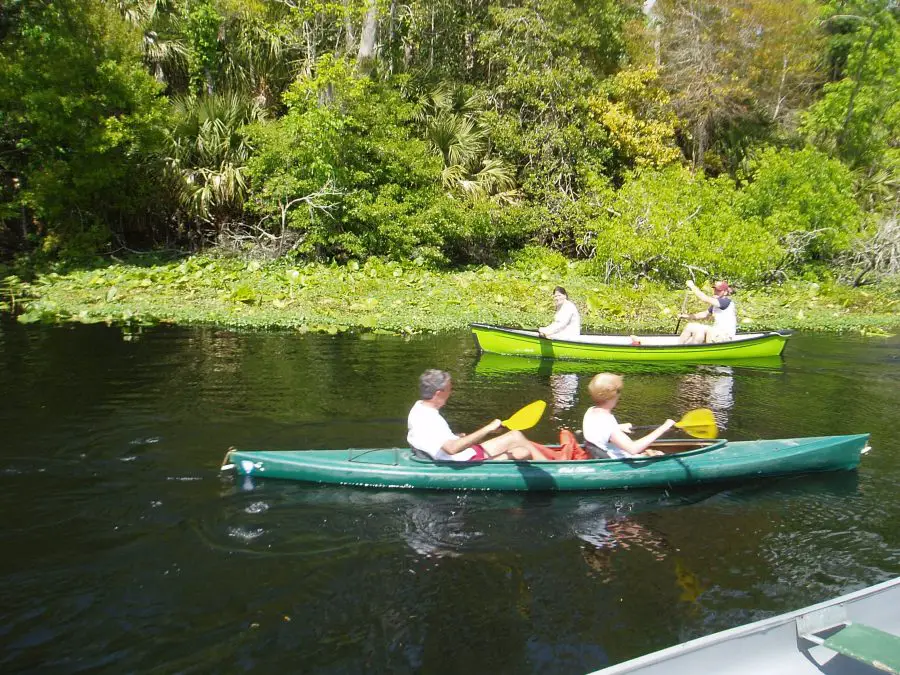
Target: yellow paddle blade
(699,423)
(527,417)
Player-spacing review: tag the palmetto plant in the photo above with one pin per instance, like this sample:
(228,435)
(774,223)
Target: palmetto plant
(259,58)
(208,153)
(453,127)
(163,48)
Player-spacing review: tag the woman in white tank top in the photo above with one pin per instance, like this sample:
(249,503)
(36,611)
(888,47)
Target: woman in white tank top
(601,429)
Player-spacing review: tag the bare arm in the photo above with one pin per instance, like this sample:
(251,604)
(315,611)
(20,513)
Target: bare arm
(640,445)
(708,299)
(453,446)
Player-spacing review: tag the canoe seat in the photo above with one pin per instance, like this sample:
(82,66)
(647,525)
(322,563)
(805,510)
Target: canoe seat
(875,647)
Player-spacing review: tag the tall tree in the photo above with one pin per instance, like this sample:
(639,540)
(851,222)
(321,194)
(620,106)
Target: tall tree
(80,123)
(735,68)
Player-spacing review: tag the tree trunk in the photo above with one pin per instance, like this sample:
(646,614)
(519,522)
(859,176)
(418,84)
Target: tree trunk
(366,54)
(393,17)
(349,37)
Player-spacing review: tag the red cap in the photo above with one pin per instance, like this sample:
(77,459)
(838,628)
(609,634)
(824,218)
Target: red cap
(722,286)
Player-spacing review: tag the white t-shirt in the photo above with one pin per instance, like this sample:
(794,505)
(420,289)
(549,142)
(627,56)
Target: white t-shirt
(428,431)
(566,324)
(597,427)
(724,318)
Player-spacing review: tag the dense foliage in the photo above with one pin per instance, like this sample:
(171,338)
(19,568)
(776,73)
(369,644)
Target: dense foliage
(657,140)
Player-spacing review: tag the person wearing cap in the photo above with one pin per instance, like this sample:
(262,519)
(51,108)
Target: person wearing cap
(567,322)
(721,310)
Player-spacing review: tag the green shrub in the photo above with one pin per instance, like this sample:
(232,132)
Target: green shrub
(536,257)
(805,200)
(670,225)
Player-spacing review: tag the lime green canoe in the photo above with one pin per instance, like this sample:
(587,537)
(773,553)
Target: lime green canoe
(500,340)
(685,462)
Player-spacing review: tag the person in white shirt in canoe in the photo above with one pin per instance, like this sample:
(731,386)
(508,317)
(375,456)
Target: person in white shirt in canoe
(430,434)
(721,310)
(567,322)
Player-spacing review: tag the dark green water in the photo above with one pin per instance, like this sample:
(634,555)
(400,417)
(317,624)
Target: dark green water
(125,550)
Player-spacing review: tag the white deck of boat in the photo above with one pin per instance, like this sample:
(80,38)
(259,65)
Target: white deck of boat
(625,340)
(772,646)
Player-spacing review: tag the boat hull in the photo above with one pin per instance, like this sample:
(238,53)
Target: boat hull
(499,340)
(711,461)
(777,646)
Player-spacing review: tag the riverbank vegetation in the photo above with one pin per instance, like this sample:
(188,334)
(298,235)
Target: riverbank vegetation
(633,145)
(380,295)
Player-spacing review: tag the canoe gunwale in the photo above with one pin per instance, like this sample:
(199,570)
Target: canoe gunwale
(784,629)
(739,339)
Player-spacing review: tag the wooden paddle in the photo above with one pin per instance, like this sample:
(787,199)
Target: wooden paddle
(526,417)
(683,310)
(699,423)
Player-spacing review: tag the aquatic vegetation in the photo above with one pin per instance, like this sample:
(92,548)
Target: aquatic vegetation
(409,298)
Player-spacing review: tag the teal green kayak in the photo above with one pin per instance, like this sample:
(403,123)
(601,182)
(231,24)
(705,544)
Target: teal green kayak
(685,462)
(514,341)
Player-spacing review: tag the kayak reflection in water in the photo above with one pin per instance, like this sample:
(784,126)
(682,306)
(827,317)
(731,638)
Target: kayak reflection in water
(430,434)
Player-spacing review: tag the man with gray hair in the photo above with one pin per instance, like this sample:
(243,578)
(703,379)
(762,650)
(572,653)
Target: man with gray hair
(429,432)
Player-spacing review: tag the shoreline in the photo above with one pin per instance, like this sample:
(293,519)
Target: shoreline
(384,297)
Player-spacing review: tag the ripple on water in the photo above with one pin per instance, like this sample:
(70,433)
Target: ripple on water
(257,507)
(246,534)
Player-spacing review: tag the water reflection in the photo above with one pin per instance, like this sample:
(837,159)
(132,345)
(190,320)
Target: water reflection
(496,365)
(709,387)
(564,388)
(117,537)
(606,537)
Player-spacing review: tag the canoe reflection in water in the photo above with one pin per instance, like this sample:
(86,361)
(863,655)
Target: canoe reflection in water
(709,387)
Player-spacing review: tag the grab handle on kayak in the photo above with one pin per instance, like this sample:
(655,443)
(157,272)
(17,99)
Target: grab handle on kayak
(226,460)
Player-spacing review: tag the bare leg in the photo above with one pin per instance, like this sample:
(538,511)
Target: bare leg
(511,445)
(693,334)
(713,334)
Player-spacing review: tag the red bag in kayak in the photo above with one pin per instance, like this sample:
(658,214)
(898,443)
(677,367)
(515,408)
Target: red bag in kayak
(568,448)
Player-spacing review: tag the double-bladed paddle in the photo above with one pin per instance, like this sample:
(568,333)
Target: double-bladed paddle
(699,423)
(526,417)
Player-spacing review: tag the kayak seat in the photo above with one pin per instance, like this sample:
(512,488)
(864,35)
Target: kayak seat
(864,643)
(595,451)
(421,455)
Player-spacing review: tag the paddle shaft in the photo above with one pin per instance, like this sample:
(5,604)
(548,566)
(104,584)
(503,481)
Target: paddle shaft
(647,426)
(699,417)
(683,310)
